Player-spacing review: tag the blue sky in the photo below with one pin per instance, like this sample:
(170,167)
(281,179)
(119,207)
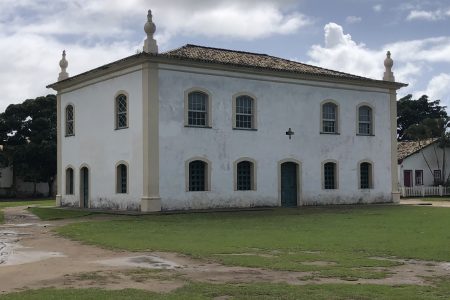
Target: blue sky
(347,35)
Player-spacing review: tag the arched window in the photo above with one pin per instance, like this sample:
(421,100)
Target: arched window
(197,110)
(122,179)
(121,111)
(365,175)
(245,176)
(329,118)
(329,176)
(70,121)
(365,119)
(69,181)
(198,176)
(245,112)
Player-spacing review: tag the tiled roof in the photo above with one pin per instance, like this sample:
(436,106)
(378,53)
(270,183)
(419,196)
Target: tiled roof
(254,60)
(201,54)
(408,148)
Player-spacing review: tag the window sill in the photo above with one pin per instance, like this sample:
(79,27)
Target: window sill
(119,128)
(196,191)
(331,133)
(196,126)
(245,129)
(324,189)
(360,134)
(69,135)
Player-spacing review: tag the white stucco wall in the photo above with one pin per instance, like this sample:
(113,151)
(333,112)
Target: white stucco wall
(6,179)
(280,105)
(433,155)
(99,146)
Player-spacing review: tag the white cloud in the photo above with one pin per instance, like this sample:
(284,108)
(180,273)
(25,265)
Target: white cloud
(34,32)
(353,19)
(377,7)
(438,88)
(236,21)
(431,50)
(29,62)
(425,15)
(342,53)
(411,59)
(245,19)
(334,36)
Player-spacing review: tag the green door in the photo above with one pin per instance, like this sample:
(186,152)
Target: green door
(84,188)
(289,184)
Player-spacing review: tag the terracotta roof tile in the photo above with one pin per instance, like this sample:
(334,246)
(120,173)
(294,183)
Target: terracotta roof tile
(408,148)
(255,60)
(235,58)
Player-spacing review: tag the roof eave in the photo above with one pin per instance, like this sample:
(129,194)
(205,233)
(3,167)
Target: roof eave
(162,58)
(293,74)
(126,62)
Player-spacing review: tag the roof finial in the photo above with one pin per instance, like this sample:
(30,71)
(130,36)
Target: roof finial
(150,45)
(388,63)
(63,64)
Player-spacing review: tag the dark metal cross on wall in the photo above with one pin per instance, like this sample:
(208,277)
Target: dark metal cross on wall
(290,133)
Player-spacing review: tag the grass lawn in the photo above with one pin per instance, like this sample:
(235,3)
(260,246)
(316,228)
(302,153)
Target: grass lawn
(12,203)
(249,291)
(348,238)
(57,214)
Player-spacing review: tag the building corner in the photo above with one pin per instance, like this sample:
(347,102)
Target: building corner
(394,170)
(58,201)
(150,201)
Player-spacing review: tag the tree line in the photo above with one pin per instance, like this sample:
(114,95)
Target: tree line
(28,141)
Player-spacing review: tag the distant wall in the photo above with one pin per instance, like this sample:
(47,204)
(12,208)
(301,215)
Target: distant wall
(24,188)
(5,177)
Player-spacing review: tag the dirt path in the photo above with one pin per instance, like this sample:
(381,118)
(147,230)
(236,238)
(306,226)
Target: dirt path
(32,256)
(418,201)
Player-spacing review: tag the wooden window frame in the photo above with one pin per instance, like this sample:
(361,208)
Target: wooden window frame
(371,122)
(336,120)
(435,179)
(207,175)
(336,174)
(253,172)
(117,113)
(253,115)
(70,181)
(118,177)
(67,121)
(370,174)
(208,111)
(417,177)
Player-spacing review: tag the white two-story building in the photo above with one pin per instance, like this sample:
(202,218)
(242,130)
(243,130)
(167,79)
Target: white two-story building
(200,127)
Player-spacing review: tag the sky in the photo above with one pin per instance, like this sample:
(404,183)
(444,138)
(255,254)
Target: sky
(346,35)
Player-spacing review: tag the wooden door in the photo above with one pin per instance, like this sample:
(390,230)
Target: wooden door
(407,178)
(289,188)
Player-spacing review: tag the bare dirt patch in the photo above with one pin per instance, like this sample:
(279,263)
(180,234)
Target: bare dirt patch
(68,263)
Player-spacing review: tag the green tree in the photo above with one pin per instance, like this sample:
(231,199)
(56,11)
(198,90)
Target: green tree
(28,137)
(414,112)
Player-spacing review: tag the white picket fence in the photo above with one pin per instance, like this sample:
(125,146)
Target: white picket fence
(422,191)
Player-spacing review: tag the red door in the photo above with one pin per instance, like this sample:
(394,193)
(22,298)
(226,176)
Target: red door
(407,178)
